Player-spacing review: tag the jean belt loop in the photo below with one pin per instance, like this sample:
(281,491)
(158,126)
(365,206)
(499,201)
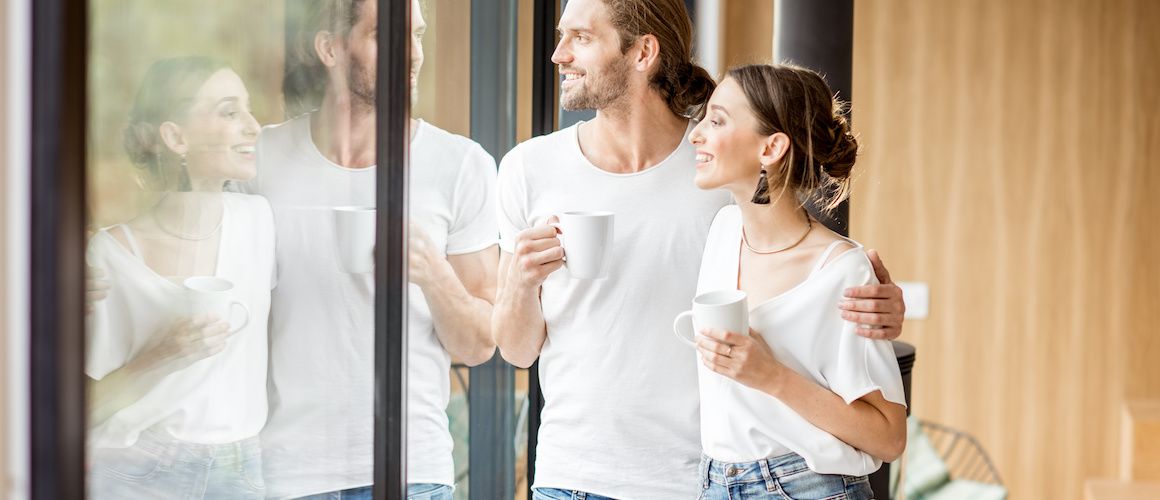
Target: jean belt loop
(579,495)
(770,484)
(707,465)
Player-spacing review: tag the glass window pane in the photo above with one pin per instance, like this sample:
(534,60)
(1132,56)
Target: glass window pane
(230,332)
(463,410)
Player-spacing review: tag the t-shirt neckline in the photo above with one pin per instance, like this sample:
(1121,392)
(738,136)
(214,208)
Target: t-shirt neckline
(575,144)
(311,148)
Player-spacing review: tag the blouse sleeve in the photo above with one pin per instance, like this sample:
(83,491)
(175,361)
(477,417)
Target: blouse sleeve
(861,365)
(105,351)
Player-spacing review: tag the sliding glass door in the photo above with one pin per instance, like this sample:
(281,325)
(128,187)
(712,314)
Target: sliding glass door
(219,262)
(263,246)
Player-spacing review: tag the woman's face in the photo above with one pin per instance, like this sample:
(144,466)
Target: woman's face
(219,133)
(729,148)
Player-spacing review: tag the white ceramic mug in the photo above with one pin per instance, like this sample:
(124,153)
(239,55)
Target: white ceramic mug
(587,241)
(212,295)
(720,310)
(355,228)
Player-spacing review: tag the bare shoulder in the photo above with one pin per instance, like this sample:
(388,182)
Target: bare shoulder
(823,237)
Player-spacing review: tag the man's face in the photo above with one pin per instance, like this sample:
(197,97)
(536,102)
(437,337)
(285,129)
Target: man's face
(359,52)
(595,72)
(418,28)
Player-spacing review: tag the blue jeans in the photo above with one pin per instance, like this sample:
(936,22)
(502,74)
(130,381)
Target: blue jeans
(419,491)
(159,466)
(559,494)
(781,478)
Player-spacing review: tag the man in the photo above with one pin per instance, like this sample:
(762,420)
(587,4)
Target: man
(319,439)
(621,406)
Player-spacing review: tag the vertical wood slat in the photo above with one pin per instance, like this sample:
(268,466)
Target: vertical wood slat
(1009,160)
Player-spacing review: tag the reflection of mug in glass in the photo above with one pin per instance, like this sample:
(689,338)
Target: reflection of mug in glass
(210,295)
(721,310)
(355,228)
(587,241)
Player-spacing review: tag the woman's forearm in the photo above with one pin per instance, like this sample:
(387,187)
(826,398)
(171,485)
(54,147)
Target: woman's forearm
(121,388)
(877,428)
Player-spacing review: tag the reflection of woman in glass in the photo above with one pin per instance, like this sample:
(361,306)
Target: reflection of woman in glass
(801,407)
(178,390)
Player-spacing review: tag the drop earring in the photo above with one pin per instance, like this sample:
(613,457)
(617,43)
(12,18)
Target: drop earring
(761,195)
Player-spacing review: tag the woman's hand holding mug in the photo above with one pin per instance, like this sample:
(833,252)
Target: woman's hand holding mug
(747,359)
(186,341)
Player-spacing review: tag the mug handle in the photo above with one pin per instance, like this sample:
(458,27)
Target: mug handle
(245,310)
(680,330)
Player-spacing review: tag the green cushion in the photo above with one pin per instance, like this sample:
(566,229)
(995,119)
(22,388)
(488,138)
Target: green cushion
(961,489)
(925,470)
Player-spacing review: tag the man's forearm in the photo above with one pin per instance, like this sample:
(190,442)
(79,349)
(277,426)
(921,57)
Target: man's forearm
(518,325)
(462,320)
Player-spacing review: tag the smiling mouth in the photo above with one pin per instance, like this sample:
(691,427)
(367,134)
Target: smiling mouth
(246,150)
(704,158)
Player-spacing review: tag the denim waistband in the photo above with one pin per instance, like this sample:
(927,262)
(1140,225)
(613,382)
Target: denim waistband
(764,470)
(157,441)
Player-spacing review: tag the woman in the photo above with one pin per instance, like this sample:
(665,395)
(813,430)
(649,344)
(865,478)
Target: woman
(801,407)
(177,396)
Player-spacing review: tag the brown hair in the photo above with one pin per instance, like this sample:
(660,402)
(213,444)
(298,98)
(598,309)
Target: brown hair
(684,85)
(304,80)
(798,102)
(166,94)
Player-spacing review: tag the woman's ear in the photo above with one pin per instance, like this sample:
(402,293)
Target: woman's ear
(324,47)
(774,148)
(173,138)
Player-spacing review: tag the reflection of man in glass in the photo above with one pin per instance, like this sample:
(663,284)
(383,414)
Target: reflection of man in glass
(319,437)
(621,394)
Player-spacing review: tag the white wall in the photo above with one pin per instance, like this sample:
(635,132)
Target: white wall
(14,231)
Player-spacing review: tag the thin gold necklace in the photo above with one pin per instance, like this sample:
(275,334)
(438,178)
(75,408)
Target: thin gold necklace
(180,235)
(809,227)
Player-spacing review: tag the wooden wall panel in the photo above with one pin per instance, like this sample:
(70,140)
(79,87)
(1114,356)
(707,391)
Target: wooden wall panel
(1009,160)
(745,33)
(523,71)
(445,80)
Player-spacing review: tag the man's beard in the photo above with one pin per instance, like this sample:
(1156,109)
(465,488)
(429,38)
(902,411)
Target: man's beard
(602,92)
(362,86)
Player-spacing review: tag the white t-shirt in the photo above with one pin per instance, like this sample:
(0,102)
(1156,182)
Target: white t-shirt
(620,415)
(220,399)
(320,435)
(806,332)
